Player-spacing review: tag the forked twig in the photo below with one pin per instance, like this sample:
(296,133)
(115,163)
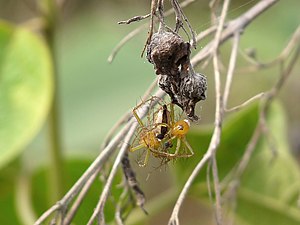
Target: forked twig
(223,32)
(233,26)
(105,192)
(62,205)
(139,29)
(260,128)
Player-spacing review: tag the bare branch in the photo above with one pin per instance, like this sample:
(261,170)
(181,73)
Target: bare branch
(211,48)
(134,19)
(231,27)
(231,68)
(138,30)
(105,192)
(70,215)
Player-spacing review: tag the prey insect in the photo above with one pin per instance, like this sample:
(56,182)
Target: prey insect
(161,134)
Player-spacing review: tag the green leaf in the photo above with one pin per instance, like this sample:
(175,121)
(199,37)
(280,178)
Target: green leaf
(75,168)
(270,186)
(25,88)
(236,133)
(7,204)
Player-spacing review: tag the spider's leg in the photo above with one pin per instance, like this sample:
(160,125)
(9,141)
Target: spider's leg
(138,147)
(146,159)
(138,119)
(186,143)
(178,144)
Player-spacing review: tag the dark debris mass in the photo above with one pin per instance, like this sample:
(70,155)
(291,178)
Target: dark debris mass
(170,56)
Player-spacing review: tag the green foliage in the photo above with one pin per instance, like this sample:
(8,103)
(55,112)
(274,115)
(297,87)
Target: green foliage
(25,88)
(7,204)
(236,133)
(75,168)
(270,186)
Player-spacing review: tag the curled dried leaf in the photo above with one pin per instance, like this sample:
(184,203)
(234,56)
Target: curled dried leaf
(167,51)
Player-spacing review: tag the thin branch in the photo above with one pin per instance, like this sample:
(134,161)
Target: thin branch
(139,29)
(256,65)
(237,24)
(219,112)
(105,192)
(134,19)
(72,212)
(261,125)
(232,63)
(62,204)
(133,124)
(233,26)
(252,99)
(127,115)
(206,33)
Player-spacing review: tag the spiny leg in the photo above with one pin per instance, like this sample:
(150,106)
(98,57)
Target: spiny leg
(146,159)
(138,147)
(134,111)
(178,146)
(186,143)
(138,119)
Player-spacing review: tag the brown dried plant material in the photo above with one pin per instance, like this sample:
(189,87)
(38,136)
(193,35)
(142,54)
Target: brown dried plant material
(170,55)
(192,90)
(185,90)
(167,51)
(133,183)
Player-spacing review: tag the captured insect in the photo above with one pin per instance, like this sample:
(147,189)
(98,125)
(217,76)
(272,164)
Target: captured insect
(161,134)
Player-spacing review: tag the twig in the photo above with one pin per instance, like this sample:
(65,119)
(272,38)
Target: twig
(293,42)
(135,19)
(138,30)
(118,213)
(132,183)
(205,33)
(105,192)
(261,125)
(70,215)
(180,14)
(62,204)
(219,112)
(235,25)
(232,63)
(133,124)
(250,100)
(127,115)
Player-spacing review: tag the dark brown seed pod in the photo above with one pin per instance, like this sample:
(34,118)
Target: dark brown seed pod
(167,51)
(192,89)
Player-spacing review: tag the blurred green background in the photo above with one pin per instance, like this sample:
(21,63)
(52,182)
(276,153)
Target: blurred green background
(93,94)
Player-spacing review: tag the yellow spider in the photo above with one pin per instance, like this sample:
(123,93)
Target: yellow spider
(160,134)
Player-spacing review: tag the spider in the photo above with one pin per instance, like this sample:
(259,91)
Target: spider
(161,134)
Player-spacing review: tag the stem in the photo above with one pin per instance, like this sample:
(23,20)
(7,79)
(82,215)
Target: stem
(56,159)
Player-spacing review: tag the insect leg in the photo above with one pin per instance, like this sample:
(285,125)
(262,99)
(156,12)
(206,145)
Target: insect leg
(138,147)
(188,146)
